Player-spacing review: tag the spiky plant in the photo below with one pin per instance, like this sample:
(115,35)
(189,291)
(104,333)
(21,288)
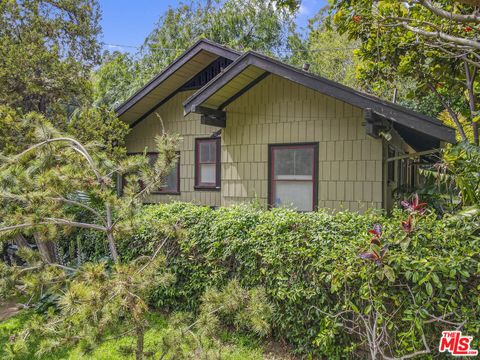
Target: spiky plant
(94,302)
(233,306)
(43,187)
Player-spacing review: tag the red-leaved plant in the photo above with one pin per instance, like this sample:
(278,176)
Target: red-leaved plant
(414,206)
(377,252)
(407,225)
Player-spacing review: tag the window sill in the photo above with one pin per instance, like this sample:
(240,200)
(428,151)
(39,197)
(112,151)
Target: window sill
(206,188)
(165,193)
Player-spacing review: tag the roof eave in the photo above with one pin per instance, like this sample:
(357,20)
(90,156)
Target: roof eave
(200,45)
(393,112)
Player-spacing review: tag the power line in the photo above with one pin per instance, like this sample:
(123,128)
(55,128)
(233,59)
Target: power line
(136,47)
(282,51)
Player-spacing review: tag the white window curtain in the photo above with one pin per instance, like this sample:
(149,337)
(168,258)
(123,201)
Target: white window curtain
(293,179)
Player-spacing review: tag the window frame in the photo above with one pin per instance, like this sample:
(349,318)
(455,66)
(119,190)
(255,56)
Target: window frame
(208,186)
(170,192)
(158,192)
(271,169)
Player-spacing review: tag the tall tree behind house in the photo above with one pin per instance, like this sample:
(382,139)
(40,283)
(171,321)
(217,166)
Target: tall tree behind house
(47,50)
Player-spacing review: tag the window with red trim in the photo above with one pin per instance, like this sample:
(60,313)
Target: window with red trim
(207,163)
(171,183)
(294,176)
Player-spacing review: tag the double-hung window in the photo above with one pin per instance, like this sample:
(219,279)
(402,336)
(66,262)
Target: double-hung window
(293,176)
(207,163)
(171,183)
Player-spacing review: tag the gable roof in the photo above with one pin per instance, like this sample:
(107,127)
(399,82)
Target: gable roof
(185,67)
(252,67)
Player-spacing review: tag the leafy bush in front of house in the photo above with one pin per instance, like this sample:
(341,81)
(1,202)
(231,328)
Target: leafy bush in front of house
(332,282)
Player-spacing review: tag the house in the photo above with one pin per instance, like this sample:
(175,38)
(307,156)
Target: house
(256,128)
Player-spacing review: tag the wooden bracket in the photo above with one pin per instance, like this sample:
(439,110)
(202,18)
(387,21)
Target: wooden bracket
(212,117)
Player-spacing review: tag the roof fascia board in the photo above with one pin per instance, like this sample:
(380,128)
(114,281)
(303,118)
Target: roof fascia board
(164,100)
(200,45)
(218,82)
(392,112)
(243,90)
(354,98)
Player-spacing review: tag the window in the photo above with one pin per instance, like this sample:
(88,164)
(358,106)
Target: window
(293,176)
(172,181)
(207,164)
(171,184)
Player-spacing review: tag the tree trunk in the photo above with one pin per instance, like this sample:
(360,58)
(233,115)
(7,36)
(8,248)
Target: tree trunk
(46,249)
(140,338)
(20,240)
(470,78)
(452,113)
(111,240)
(475,133)
(112,246)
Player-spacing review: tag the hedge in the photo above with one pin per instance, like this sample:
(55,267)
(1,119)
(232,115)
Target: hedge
(326,297)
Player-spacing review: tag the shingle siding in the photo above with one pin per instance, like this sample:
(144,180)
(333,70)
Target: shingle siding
(279,111)
(143,136)
(275,111)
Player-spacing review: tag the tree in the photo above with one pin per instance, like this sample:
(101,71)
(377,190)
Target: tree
(87,303)
(47,50)
(14,133)
(115,79)
(249,25)
(40,186)
(432,45)
(96,125)
(329,54)
(102,126)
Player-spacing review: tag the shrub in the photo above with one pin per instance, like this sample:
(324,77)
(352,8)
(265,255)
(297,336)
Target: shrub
(325,296)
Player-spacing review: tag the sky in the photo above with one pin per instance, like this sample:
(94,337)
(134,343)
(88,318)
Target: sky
(128,22)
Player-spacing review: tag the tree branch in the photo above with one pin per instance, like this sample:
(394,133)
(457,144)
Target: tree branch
(79,204)
(461,18)
(441,35)
(76,146)
(53,221)
(57,221)
(470,79)
(450,112)
(411,355)
(454,55)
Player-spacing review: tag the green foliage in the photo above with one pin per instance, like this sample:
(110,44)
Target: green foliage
(91,302)
(99,125)
(47,50)
(247,25)
(42,187)
(329,54)
(233,306)
(456,177)
(38,283)
(113,348)
(16,130)
(115,79)
(310,268)
(409,41)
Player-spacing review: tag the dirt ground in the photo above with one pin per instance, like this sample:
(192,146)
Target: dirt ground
(278,351)
(8,309)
